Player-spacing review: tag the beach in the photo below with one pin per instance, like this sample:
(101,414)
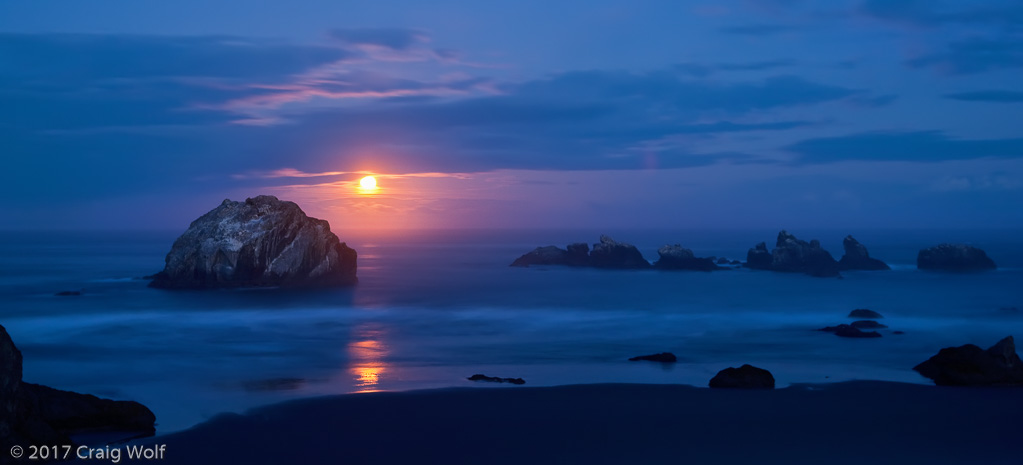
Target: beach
(841,423)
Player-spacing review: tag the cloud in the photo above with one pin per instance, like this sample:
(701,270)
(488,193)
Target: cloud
(998,96)
(973,56)
(932,13)
(920,146)
(759,29)
(392,38)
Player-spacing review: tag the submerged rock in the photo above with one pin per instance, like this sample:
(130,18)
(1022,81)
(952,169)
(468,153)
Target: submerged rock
(494,379)
(857,258)
(35,414)
(744,377)
(68,293)
(676,257)
(664,357)
(970,365)
(844,330)
(864,313)
(954,257)
(793,255)
(262,241)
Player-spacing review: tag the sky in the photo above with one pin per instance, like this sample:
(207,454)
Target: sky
(520,114)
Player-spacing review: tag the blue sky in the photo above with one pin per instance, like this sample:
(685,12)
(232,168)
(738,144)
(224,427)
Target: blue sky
(596,114)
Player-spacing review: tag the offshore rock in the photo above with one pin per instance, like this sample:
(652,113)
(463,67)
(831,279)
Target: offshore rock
(744,377)
(495,379)
(609,253)
(954,257)
(549,255)
(262,241)
(676,257)
(793,255)
(970,365)
(845,330)
(857,258)
(865,313)
(663,357)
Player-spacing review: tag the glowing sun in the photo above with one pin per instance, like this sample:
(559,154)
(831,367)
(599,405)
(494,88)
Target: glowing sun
(368,183)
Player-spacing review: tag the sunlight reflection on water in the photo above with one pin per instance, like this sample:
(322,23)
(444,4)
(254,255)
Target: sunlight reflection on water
(367,353)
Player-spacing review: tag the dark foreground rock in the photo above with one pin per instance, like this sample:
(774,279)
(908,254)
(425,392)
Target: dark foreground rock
(856,257)
(865,313)
(608,253)
(744,377)
(664,357)
(676,257)
(35,414)
(494,379)
(844,330)
(954,257)
(262,241)
(793,255)
(970,365)
(867,324)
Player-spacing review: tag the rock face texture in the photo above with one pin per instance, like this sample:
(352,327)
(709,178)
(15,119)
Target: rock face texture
(676,257)
(34,414)
(857,258)
(970,365)
(793,255)
(608,253)
(954,257)
(744,377)
(262,241)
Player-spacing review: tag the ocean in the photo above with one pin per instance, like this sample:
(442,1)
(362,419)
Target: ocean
(434,307)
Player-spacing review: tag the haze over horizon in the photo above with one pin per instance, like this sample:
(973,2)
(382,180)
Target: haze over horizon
(597,114)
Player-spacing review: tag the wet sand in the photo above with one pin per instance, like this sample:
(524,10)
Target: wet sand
(844,423)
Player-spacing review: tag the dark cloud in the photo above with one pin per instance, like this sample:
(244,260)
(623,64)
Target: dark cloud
(932,13)
(973,56)
(998,96)
(919,146)
(393,38)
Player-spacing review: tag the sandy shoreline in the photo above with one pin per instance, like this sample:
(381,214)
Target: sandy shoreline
(852,422)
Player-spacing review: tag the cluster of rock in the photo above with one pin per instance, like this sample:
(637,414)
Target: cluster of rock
(495,379)
(791,254)
(954,257)
(262,241)
(35,414)
(970,365)
(609,253)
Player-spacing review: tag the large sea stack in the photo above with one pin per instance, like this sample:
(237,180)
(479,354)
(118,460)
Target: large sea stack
(793,255)
(262,241)
(954,257)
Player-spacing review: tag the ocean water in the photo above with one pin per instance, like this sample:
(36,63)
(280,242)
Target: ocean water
(434,307)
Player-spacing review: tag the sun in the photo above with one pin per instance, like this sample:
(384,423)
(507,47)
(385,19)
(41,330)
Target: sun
(368,183)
